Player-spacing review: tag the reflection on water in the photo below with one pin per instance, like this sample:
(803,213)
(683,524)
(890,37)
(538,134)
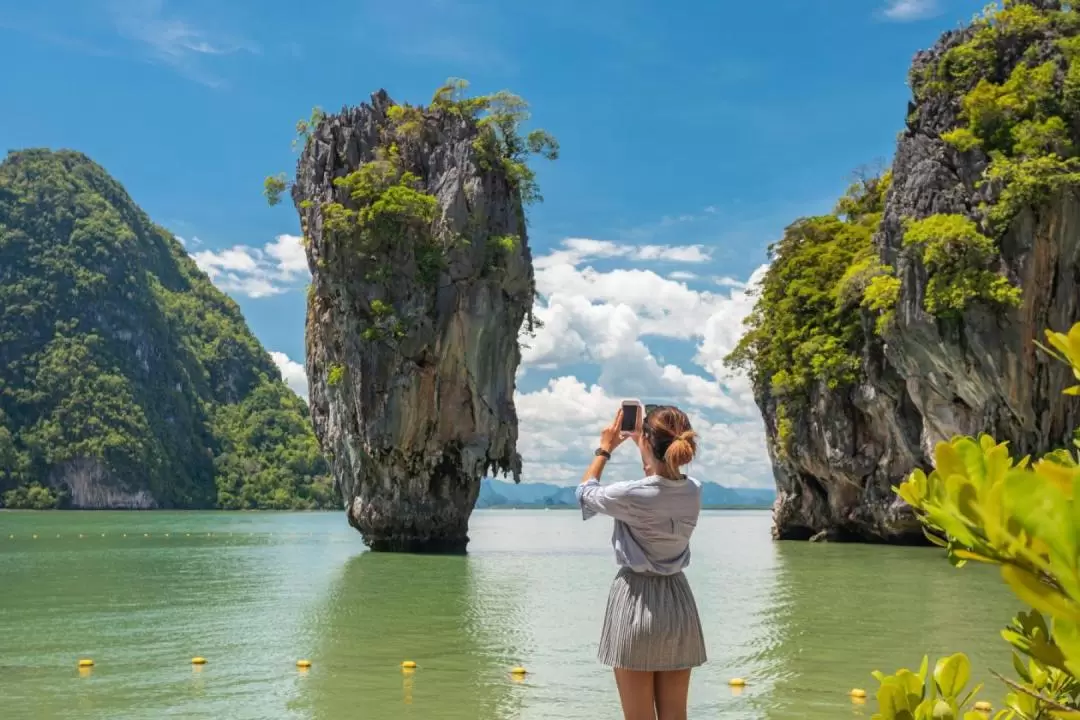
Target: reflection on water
(841,611)
(385,609)
(255,592)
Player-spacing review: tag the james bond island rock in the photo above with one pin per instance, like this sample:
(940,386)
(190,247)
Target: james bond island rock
(421,283)
(127,380)
(912,313)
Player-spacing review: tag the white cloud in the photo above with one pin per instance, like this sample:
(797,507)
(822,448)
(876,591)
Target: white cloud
(275,268)
(292,373)
(167,38)
(682,275)
(608,320)
(577,250)
(729,282)
(907,10)
(188,242)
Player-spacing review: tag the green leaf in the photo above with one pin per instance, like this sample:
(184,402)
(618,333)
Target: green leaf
(1038,594)
(951,674)
(1021,670)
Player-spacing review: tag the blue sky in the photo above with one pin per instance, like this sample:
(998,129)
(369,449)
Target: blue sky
(682,125)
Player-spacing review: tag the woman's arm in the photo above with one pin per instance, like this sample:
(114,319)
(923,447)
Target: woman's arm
(610,438)
(596,467)
(610,500)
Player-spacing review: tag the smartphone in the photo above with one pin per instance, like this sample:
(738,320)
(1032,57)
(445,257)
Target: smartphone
(631,409)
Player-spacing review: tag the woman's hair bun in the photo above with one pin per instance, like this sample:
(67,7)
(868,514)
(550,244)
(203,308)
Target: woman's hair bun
(668,431)
(682,449)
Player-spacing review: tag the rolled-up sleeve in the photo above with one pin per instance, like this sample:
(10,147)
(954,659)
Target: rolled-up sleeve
(613,500)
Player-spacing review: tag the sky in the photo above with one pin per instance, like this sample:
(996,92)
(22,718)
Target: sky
(692,133)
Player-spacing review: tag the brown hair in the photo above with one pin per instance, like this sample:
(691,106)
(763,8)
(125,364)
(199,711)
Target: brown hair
(668,432)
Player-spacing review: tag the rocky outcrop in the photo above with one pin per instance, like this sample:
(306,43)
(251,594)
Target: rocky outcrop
(413,317)
(929,378)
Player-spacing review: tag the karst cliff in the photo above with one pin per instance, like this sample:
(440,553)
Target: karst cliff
(422,282)
(127,380)
(914,311)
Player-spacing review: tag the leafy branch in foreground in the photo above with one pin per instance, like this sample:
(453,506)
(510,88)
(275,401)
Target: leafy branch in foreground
(982,505)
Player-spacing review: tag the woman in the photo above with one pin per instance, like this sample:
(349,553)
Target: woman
(652,633)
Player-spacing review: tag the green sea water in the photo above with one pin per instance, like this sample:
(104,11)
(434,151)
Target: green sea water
(143,593)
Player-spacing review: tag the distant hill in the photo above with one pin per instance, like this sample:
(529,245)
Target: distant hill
(498,493)
(127,380)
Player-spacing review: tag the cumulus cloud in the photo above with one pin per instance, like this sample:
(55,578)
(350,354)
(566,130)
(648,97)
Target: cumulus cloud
(292,373)
(275,268)
(613,321)
(577,250)
(907,10)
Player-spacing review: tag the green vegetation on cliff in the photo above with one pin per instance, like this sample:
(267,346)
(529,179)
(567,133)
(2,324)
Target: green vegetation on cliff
(1007,90)
(1016,75)
(125,375)
(806,324)
(390,207)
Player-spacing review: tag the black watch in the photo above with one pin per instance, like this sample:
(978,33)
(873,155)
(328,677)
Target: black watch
(601,452)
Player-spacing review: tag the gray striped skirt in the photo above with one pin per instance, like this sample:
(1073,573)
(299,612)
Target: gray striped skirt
(651,624)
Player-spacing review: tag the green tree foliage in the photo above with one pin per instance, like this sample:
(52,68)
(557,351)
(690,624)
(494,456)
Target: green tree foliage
(273,187)
(117,353)
(269,457)
(1024,115)
(390,212)
(31,497)
(806,325)
(958,256)
(982,505)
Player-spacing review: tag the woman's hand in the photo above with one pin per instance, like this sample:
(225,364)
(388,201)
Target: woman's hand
(611,436)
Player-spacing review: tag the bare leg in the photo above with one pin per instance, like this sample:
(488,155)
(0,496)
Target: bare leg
(636,694)
(672,687)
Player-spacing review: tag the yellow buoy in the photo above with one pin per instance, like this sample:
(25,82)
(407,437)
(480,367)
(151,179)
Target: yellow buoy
(303,663)
(983,706)
(518,671)
(408,665)
(857,693)
(198,661)
(86,662)
(736,682)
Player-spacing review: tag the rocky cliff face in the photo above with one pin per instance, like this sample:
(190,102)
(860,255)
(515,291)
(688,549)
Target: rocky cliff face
(421,281)
(991,137)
